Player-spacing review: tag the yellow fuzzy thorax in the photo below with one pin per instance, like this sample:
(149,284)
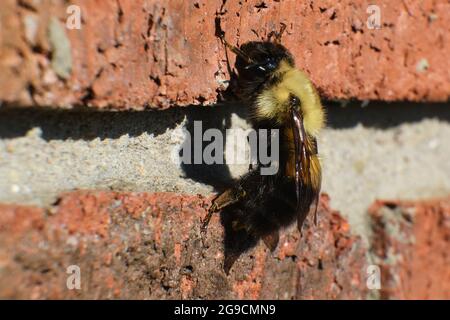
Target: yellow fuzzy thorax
(273,102)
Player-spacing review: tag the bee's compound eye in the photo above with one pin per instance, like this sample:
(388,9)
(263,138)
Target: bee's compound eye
(270,64)
(266,65)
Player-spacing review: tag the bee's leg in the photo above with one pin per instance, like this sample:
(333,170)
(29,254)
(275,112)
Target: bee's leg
(271,240)
(234,49)
(223,200)
(277,34)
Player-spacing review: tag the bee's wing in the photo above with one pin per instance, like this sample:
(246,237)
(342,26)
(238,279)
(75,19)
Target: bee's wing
(317,171)
(306,190)
(299,143)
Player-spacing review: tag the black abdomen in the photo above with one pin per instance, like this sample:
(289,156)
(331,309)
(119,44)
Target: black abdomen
(270,200)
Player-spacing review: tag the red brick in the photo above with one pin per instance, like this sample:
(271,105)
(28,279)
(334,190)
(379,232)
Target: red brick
(136,54)
(140,245)
(411,243)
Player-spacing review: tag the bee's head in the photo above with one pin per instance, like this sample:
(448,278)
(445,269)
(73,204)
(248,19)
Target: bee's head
(267,77)
(260,59)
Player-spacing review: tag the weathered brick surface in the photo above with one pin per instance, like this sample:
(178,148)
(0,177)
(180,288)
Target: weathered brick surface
(131,245)
(136,54)
(411,243)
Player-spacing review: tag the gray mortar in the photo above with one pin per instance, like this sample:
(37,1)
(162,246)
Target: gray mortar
(380,151)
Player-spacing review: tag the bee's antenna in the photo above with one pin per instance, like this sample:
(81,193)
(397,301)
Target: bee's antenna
(221,34)
(237,51)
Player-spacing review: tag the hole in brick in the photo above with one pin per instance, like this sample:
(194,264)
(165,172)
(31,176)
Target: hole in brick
(261,6)
(155,80)
(188,269)
(376,49)
(391,205)
(333,16)
(335,42)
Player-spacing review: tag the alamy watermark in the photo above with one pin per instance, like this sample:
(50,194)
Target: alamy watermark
(374,19)
(243,146)
(74,279)
(73,21)
(373,280)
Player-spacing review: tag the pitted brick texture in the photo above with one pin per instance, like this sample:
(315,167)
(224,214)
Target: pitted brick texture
(136,246)
(155,54)
(411,244)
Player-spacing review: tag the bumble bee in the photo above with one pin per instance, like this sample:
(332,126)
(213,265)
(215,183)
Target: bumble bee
(279,96)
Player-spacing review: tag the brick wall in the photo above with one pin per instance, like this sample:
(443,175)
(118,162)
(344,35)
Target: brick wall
(154,46)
